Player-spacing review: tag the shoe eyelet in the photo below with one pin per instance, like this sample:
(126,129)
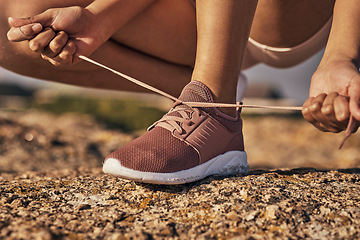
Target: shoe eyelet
(190,123)
(182,132)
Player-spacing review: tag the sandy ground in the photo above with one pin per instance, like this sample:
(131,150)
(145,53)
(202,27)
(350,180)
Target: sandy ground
(300,185)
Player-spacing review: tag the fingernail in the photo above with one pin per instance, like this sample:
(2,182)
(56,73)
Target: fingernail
(36,27)
(10,19)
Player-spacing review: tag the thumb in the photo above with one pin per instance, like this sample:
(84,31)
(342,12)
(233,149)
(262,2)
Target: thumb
(45,19)
(18,22)
(25,32)
(354,93)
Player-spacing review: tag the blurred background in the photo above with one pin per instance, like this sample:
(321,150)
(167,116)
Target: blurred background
(266,86)
(290,83)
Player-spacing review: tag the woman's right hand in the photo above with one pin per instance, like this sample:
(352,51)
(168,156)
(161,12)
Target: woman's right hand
(59,34)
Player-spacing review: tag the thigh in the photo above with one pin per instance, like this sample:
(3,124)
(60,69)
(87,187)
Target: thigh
(287,23)
(166,30)
(26,8)
(12,54)
(18,58)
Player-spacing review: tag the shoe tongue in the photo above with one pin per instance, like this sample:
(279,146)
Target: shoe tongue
(196,91)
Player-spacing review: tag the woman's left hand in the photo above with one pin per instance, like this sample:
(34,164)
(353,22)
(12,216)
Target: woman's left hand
(334,97)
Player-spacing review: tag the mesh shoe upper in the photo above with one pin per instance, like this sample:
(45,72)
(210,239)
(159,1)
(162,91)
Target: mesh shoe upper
(184,138)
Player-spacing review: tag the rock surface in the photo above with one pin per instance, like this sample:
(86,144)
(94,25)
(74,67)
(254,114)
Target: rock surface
(52,187)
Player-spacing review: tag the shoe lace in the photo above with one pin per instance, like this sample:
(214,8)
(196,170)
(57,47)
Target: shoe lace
(177,118)
(350,128)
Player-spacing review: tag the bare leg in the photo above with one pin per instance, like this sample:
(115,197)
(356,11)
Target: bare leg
(168,67)
(168,50)
(223,30)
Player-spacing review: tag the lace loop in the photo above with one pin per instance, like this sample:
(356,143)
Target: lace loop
(177,118)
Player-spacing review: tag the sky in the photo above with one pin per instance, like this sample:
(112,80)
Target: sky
(292,82)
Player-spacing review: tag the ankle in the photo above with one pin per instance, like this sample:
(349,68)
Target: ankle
(228,111)
(231,111)
(223,93)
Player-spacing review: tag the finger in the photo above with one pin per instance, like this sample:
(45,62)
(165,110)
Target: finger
(65,57)
(354,94)
(341,108)
(52,61)
(309,117)
(329,113)
(323,103)
(327,109)
(56,45)
(44,18)
(26,32)
(38,43)
(67,54)
(315,107)
(18,22)
(354,108)
(305,110)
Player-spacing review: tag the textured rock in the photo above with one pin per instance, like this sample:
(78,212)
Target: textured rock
(68,197)
(86,204)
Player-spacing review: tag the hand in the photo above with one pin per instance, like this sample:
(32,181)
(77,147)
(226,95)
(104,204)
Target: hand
(59,34)
(334,97)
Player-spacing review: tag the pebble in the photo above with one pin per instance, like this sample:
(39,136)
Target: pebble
(66,195)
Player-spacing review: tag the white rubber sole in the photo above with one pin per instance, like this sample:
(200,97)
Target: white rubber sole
(226,164)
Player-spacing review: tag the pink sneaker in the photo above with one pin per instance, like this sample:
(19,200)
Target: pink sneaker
(187,144)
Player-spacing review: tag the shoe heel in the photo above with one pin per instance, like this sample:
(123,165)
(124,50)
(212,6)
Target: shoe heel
(229,163)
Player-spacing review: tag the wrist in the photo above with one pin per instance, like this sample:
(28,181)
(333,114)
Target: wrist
(99,18)
(337,57)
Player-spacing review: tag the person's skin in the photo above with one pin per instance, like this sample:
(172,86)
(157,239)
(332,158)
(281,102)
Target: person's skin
(220,49)
(156,52)
(335,86)
(288,23)
(175,55)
